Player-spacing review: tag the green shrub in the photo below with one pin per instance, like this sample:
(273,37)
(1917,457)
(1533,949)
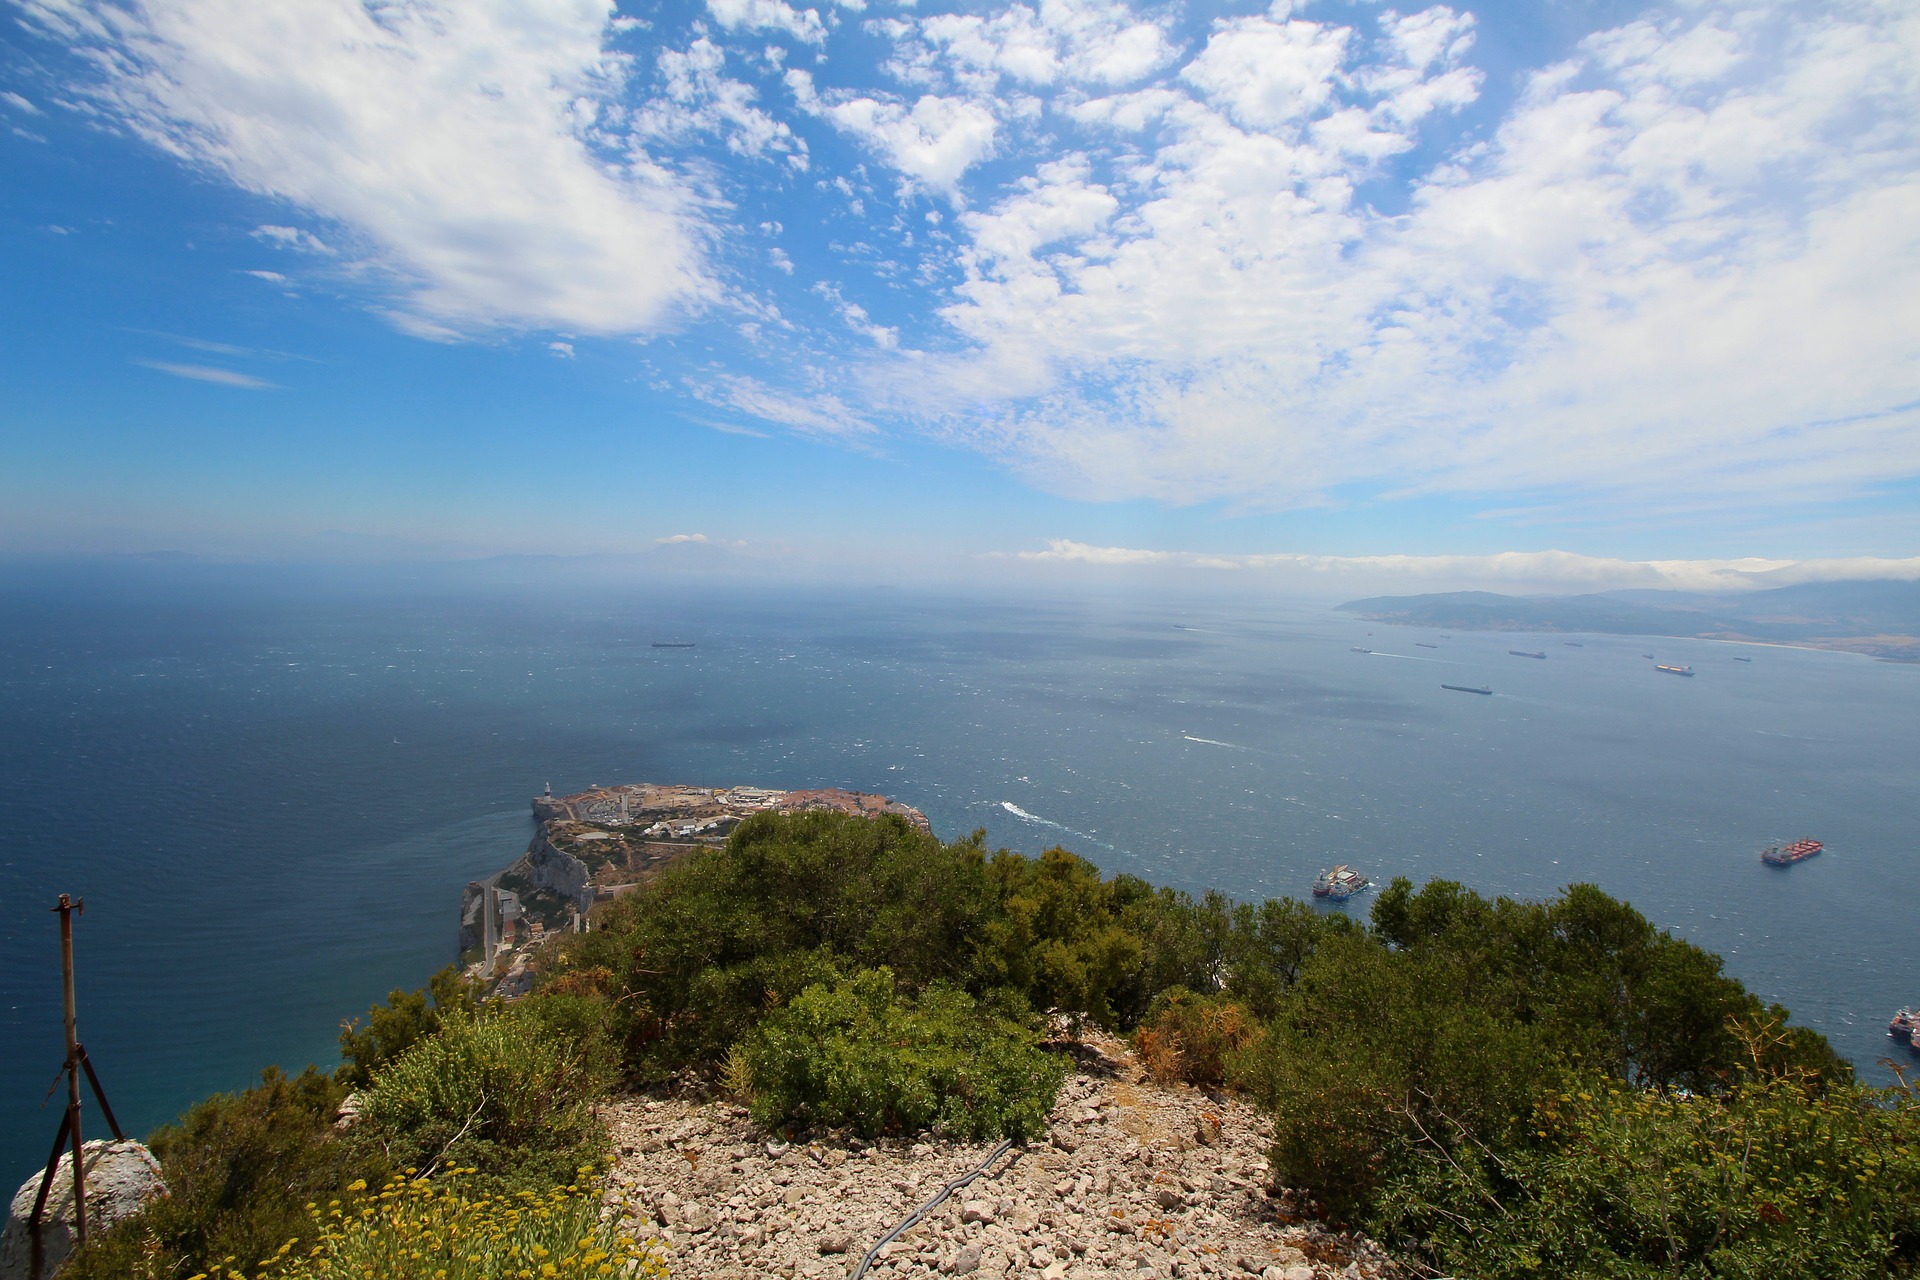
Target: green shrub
(851,1053)
(498,1092)
(421,1230)
(240,1170)
(1770,1180)
(406,1018)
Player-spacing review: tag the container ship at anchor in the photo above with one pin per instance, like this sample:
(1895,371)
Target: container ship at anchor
(1785,855)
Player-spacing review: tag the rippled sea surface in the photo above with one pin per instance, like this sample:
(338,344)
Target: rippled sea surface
(270,788)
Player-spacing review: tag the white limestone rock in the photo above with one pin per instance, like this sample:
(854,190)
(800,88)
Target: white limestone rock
(122,1176)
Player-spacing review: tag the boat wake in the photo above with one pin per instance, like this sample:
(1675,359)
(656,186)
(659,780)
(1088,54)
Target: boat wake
(1215,742)
(1039,821)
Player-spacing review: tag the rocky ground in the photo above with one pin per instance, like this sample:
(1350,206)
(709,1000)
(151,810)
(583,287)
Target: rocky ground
(1136,1180)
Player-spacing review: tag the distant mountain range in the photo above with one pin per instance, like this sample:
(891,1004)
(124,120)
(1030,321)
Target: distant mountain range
(1880,618)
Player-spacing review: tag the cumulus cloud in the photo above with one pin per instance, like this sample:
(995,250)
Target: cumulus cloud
(701,98)
(1687,262)
(769,15)
(931,142)
(451,145)
(1563,570)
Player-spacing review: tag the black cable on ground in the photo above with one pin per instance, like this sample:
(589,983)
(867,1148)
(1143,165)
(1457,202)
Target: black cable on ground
(929,1207)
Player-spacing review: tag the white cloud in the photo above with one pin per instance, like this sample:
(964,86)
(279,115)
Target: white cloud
(683,537)
(1686,265)
(701,99)
(271,277)
(561,350)
(451,144)
(769,15)
(19,103)
(817,413)
(207,373)
(1561,570)
(932,143)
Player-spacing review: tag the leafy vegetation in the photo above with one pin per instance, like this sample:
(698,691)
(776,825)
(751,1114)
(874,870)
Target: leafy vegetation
(852,1053)
(416,1229)
(1494,1088)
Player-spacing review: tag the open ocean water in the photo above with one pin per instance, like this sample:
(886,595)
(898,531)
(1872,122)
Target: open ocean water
(270,788)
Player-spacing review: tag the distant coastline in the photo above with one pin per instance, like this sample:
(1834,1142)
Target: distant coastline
(1879,619)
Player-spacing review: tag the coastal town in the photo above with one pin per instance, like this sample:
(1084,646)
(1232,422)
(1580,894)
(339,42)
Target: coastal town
(594,845)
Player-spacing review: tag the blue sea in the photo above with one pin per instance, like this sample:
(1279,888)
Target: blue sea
(270,786)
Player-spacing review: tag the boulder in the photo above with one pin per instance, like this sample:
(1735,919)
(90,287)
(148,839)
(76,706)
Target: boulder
(122,1176)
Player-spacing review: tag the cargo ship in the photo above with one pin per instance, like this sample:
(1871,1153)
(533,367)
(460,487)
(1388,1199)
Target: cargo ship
(673,644)
(1905,1028)
(1672,670)
(1573,644)
(1424,645)
(1339,884)
(1466,688)
(1785,855)
(1522,653)
(1740,659)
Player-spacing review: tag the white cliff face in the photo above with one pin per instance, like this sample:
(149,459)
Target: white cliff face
(122,1176)
(558,872)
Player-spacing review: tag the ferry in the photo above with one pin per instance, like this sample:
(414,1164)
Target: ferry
(1785,855)
(1522,653)
(1672,670)
(1339,884)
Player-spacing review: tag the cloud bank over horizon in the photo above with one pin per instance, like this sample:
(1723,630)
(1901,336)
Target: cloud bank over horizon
(1563,570)
(1267,258)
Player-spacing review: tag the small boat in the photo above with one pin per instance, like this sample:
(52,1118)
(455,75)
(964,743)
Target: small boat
(1646,655)
(1358,649)
(1424,645)
(1466,688)
(1522,653)
(673,644)
(1339,883)
(1785,855)
(1672,670)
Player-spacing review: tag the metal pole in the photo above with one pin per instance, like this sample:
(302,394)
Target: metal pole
(66,909)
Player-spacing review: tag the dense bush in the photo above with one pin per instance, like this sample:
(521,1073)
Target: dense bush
(1195,1039)
(1769,1179)
(697,959)
(392,1028)
(497,1092)
(240,1169)
(420,1230)
(852,1053)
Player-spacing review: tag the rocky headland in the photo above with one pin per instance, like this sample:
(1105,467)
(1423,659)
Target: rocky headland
(596,844)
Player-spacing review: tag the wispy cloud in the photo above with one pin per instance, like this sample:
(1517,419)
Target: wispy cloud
(207,373)
(450,147)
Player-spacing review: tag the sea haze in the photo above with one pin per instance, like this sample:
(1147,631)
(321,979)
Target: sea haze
(270,788)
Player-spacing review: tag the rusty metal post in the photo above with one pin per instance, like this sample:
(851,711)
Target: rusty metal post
(66,909)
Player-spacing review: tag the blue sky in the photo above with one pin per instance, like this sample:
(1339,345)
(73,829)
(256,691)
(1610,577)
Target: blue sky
(1062,283)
